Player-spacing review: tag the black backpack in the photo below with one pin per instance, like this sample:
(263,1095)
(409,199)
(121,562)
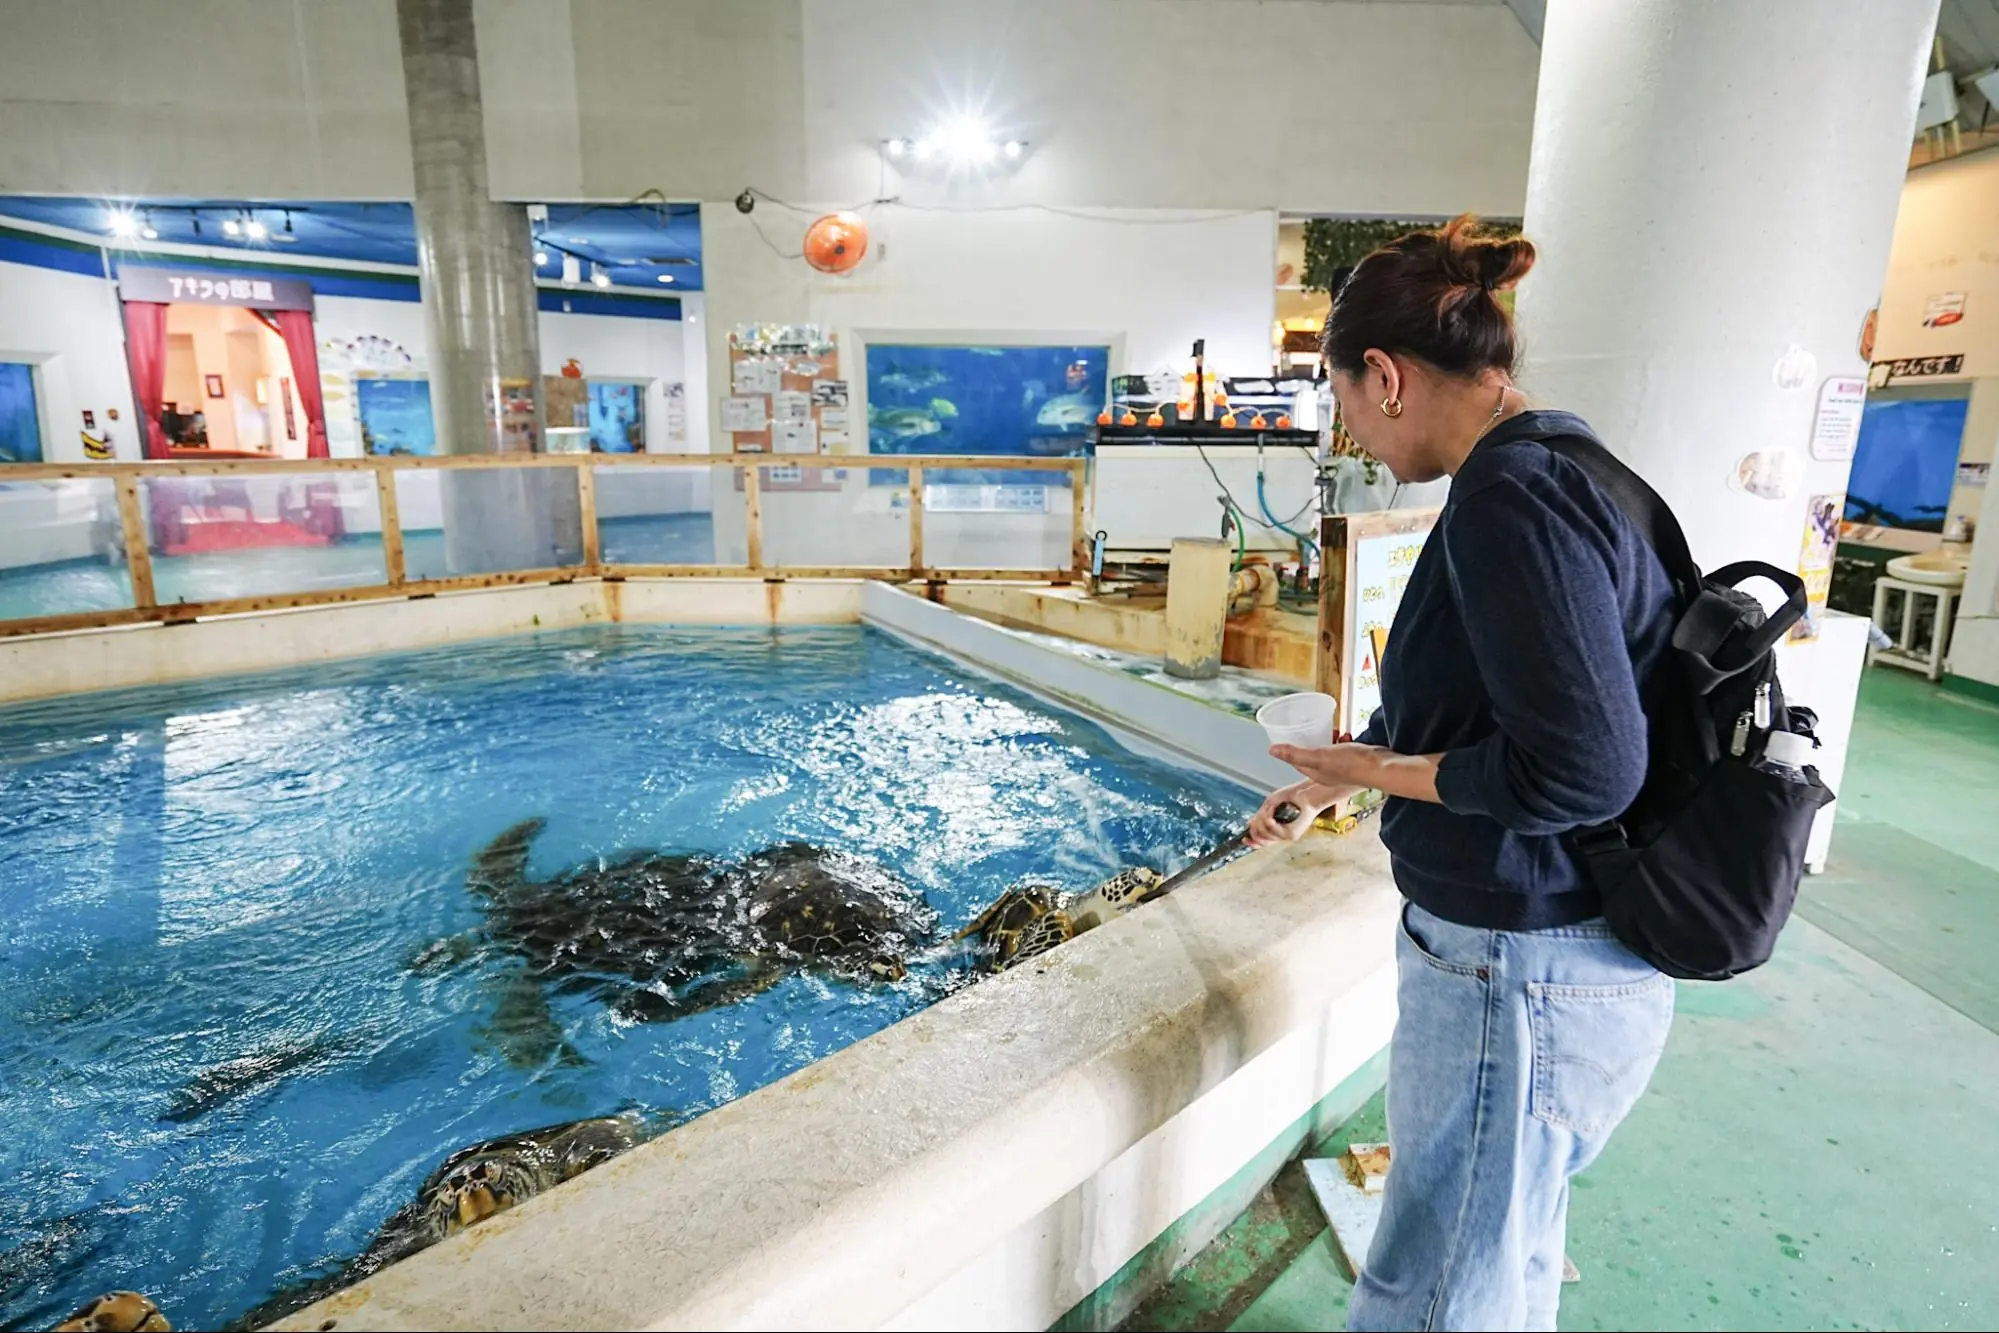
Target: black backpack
(1699,876)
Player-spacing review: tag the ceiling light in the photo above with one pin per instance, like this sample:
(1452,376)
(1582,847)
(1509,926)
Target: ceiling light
(1014,148)
(666,277)
(256,230)
(150,232)
(122,223)
(598,277)
(231,227)
(540,258)
(572,271)
(897,147)
(923,149)
(966,141)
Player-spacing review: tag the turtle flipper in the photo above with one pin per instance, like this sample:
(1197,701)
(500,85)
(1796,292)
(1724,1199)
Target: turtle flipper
(503,865)
(756,976)
(523,1028)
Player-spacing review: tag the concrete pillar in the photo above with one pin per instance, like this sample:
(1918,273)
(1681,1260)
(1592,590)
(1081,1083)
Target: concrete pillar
(1713,188)
(475,263)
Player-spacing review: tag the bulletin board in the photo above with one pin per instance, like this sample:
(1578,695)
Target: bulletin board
(1367,559)
(786,395)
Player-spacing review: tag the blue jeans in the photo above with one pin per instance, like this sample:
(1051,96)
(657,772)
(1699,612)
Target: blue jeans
(1515,1055)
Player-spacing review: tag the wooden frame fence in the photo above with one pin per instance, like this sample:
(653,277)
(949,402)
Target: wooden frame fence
(147,608)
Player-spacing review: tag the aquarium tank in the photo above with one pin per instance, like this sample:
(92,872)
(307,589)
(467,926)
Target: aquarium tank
(1906,462)
(1037,401)
(617,417)
(395,415)
(20,424)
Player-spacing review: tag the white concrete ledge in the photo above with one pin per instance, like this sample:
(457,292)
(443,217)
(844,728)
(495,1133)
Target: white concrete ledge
(1198,732)
(909,1179)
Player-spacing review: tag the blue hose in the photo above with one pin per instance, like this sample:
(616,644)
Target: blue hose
(1304,542)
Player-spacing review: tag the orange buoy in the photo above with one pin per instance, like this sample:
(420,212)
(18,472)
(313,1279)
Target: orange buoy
(1228,421)
(1155,420)
(1130,418)
(1283,421)
(836,243)
(1104,417)
(1258,423)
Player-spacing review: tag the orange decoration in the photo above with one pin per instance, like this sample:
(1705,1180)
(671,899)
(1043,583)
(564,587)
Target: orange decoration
(836,243)
(1258,423)
(1104,417)
(572,369)
(1283,421)
(1155,420)
(1130,418)
(1228,421)
(1220,399)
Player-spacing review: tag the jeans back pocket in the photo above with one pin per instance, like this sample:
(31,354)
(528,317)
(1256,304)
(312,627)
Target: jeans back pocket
(1595,1048)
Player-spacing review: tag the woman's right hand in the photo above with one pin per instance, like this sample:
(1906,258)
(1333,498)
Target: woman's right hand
(1309,797)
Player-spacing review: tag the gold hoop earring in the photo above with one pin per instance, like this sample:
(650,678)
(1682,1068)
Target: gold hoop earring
(1391,407)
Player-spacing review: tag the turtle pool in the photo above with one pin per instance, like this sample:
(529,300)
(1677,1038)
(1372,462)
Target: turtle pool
(219,1072)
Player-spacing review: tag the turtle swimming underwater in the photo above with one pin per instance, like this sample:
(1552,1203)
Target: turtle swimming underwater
(470,1186)
(662,935)
(1030,919)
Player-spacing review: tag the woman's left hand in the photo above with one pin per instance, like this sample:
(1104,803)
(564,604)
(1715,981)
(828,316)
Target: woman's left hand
(1333,766)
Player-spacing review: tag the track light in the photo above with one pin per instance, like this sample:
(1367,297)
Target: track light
(1013,149)
(540,258)
(572,271)
(255,229)
(922,150)
(897,147)
(231,227)
(666,277)
(598,277)
(123,225)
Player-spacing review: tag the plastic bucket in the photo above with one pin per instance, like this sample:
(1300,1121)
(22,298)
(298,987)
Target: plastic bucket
(1299,719)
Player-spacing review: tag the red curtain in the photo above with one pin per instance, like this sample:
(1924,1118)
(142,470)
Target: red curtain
(295,327)
(146,350)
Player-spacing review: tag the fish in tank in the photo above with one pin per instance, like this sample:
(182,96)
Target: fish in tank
(1033,400)
(395,415)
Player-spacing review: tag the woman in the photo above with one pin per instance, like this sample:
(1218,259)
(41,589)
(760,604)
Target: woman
(1513,711)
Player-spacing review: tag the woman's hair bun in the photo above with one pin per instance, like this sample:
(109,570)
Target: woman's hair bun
(1472,256)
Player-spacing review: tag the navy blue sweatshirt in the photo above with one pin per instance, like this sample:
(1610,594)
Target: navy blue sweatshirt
(1522,652)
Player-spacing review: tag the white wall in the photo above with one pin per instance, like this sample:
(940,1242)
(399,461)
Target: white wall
(614,347)
(69,326)
(1298,104)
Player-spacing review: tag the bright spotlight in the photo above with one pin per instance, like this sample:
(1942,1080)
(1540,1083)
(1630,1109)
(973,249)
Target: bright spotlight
(897,147)
(231,227)
(666,277)
(923,149)
(598,277)
(123,224)
(256,230)
(966,141)
(540,258)
(1014,148)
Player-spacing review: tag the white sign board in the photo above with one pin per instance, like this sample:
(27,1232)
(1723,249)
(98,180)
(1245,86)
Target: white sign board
(1836,426)
(1381,568)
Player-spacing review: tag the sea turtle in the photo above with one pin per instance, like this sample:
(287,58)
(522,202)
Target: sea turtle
(470,1186)
(666,935)
(117,1312)
(1029,920)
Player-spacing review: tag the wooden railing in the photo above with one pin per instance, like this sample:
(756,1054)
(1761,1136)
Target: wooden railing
(126,478)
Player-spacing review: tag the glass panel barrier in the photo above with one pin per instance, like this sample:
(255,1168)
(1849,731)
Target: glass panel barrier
(835,517)
(61,549)
(488,520)
(977,518)
(649,515)
(238,535)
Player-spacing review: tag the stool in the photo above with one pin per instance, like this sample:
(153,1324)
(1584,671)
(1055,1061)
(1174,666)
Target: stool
(1904,653)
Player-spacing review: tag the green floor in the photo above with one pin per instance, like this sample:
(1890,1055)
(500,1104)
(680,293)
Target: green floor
(1820,1147)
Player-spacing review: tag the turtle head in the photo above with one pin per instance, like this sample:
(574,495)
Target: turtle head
(474,1190)
(885,966)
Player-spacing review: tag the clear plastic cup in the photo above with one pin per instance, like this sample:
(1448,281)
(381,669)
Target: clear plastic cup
(1299,719)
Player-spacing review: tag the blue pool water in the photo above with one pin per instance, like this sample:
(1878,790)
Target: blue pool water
(212,873)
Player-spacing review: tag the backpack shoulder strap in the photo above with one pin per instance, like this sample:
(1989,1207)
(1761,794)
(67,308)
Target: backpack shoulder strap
(1641,504)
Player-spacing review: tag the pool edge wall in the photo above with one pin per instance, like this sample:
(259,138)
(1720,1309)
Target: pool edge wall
(990,1162)
(43,665)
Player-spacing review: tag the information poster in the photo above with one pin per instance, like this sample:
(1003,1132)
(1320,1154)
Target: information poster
(1381,567)
(1815,562)
(1836,427)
